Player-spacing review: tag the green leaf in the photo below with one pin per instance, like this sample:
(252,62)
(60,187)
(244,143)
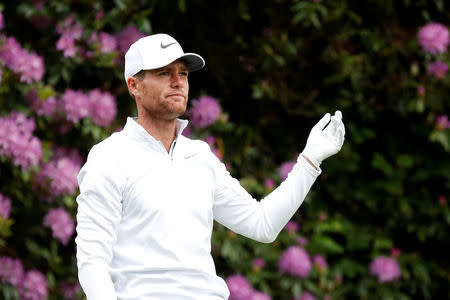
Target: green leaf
(442,137)
(350,268)
(5,227)
(324,244)
(383,243)
(380,163)
(405,161)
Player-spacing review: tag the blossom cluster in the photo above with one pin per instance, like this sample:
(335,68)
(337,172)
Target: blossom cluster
(59,176)
(295,261)
(61,224)
(71,35)
(241,289)
(100,106)
(17,141)
(442,122)
(434,38)
(29,65)
(31,284)
(204,111)
(5,206)
(385,269)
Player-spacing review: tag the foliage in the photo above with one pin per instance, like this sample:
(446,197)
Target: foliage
(276,67)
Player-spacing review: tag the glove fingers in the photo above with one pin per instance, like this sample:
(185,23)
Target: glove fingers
(340,136)
(340,125)
(323,122)
(338,114)
(335,131)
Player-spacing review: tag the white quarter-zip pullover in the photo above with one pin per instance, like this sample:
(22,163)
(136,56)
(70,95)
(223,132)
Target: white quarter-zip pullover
(145,216)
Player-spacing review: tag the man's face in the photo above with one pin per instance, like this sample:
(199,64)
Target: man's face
(163,93)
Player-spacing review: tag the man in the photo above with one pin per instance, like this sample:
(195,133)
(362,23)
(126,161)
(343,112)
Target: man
(149,196)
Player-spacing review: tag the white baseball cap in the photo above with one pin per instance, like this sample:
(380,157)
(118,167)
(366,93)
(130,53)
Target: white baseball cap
(157,51)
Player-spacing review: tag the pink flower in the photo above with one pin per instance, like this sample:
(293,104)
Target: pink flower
(2,23)
(108,42)
(437,69)
(442,122)
(240,288)
(66,44)
(421,90)
(34,70)
(395,252)
(5,206)
(70,32)
(385,268)
(64,152)
(320,261)
(69,289)
(61,224)
(306,296)
(33,286)
(434,38)
(17,141)
(295,261)
(99,15)
(269,183)
(291,226)
(59,176)
(70,28)
(286,168)
(30,66)
(42,107)
(204,111)
(11,270)
(302,241)
(258,263)
(257,295)
(126,37)
(76,105)
(103,108)
(187,132)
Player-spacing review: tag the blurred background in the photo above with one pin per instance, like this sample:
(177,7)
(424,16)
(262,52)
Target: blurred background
(376,222)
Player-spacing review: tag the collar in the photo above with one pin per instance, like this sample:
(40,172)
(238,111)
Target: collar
(136,131)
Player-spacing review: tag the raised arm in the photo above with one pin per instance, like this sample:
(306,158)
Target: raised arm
(263,220)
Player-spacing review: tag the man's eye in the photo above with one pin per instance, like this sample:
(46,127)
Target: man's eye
(163,73)
(184,73)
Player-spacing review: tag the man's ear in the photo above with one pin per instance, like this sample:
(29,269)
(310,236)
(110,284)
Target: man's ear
(132,84)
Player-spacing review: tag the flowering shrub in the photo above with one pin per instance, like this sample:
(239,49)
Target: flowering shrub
(272,70)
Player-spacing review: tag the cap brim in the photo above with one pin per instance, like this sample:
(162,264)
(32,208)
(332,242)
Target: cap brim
(193,61)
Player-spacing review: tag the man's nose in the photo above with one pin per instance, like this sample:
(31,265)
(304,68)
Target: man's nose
(178,80)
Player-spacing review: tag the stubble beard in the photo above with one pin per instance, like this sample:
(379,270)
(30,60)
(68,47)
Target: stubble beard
(166,111)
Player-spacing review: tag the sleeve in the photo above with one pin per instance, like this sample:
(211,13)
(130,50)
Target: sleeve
(99,212)
(261,220)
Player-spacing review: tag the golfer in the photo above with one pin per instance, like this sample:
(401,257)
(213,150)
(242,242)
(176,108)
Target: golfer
(149,195)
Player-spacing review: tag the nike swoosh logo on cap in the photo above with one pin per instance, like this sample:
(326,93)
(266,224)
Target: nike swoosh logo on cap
(166,45)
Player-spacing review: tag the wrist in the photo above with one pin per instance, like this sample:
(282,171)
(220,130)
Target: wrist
(314,165)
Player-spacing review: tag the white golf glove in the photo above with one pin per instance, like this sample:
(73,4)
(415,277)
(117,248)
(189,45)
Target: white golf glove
(325,140)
